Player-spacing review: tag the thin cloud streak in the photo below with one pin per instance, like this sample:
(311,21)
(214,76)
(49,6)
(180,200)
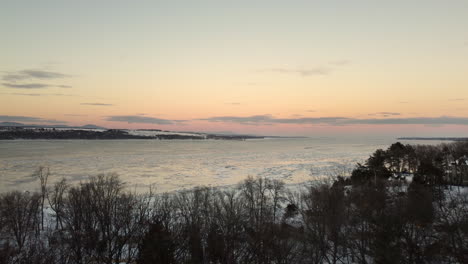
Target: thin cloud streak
(306,72)
(33,74)
(74,115)
(16,80)
(38,94)
(443,120)
(26,85)
(269,119)
(33,85)
(385,114)
(301,72)
(340,62)
(138,119)
(8,118)
(339,121)
(96,104)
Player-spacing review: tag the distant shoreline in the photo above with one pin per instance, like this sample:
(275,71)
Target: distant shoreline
(435,138)
(110,134)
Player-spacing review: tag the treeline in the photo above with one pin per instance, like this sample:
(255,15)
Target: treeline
(374,216)
(430,164)
(44,133)
(21,133)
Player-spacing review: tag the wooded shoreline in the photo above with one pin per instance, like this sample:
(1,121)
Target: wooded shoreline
(21,133)
(400,206)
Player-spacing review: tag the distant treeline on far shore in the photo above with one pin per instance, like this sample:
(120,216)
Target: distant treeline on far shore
(405,204)
(435,138)
(89,134)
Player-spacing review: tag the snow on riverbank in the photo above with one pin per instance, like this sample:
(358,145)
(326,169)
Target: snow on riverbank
(153,133)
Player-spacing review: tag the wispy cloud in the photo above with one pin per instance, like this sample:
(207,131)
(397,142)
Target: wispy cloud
(60,94)
(339,121)
(385,114)
(63,86)
(256,119)
(269,119)
(234,103)
(340,62)
(32,79)
(33,85)
(248,83)
(457,99)
(40,94)
(301,72)
(142,120)
(74,115)
(27,94)
(32,74)
(26,85)
(306,72)
(442,120)
(8,118)
(97,104)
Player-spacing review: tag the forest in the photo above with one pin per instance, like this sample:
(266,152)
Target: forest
(402,205)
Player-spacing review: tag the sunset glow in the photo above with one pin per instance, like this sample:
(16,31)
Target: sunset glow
(260,67)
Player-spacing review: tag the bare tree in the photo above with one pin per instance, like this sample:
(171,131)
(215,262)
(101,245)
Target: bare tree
(277,193)
(42,173)
(56,201)
(20,213)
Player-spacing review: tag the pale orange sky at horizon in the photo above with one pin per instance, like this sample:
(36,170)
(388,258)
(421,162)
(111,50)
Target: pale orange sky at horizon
(263,67)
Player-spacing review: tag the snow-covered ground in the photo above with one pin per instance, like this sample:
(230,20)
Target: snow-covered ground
(87,129)
(152,133)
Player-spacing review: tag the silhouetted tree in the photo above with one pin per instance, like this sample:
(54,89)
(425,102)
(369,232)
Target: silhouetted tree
(56,200)
(20,214)
(42,173)
(157,246)
(362,175)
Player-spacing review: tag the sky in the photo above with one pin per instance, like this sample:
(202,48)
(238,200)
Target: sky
(301,68)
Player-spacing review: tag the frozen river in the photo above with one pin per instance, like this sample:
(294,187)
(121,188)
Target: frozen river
(177,164)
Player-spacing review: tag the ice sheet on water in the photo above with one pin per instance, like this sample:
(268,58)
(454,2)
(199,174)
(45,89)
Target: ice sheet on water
(179,164)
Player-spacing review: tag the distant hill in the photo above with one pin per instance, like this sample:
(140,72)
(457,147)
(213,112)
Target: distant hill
(90,131)
(90,126)
(435,138)
(10,124)
(16,124)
